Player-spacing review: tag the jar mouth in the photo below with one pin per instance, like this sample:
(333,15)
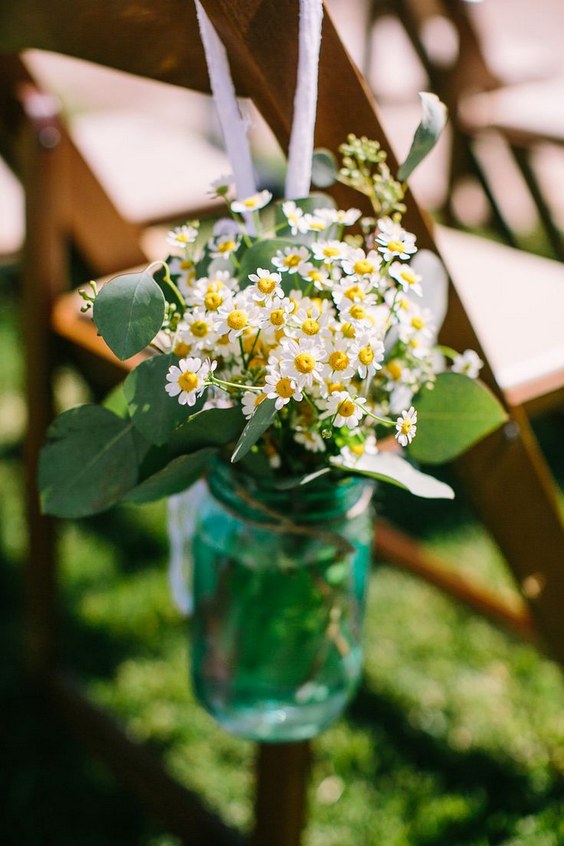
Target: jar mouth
(323,499)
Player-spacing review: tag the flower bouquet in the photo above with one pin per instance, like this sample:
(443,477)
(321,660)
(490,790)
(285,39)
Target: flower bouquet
(290,358)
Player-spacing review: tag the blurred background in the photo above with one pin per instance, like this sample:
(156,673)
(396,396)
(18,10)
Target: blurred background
(457,734)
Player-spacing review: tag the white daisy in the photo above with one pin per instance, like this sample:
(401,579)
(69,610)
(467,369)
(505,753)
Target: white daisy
(302,361)
(345,217)
(188,380)
(406,427)
(344,410)
(369,351)
(198,329)
(267,285)
(317,275)
(341,360)
(250,401)
(295,217)
(405,276)
(352,453)
(290,259)
(362,264)
(394,242)
(221,186)
(274,317)
(224,244)
(469,363)
(182,236)
(237,316)
(329,251)
(282,389)
(309,321)
(253,203)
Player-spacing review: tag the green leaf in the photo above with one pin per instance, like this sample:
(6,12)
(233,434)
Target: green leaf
(433,119)
(392,468)
(213,427)
(453,416)
(324,168)
(260,255)
(88,463)
(129,311)
(178,475)
(115,401)
(153,412)
(257,425)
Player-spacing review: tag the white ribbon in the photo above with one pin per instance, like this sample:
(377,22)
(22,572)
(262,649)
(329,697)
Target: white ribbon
(182,511)
(300,152)
(233,124)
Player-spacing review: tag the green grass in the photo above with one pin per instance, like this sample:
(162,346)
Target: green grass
(456,737)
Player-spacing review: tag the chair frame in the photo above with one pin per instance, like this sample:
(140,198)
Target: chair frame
(509,459)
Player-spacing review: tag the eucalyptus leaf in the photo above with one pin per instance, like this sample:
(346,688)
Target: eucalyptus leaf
(212,427)
(433,120)
(179,474)
(452,417)
(257,426)
(392,468)
(129,311)
(324,168)
(88,463)
(153,412)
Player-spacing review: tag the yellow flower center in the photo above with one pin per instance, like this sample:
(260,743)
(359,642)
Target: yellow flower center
(417,323)
(292,260)
(188,381)
(310,326)
(237,319)
(181,349)
(395,370)
(332,387)
(186,264)
(250,202)
(226,246)
(331,252)
(408,276)
(406,426)
(363,266)
(304,363)
(396,246)
(357,449)
(348,330)
(366,355)
(284,388)
(266,285)
(200,328)
(357,312)
(223,340)
(347,408)
(315,276)
(339,360)
(355,292)
(213,300)
(277,317)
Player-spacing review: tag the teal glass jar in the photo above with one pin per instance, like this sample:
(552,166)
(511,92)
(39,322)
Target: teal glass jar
(280,581)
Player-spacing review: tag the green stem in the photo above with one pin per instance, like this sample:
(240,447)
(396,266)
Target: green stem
(168,280)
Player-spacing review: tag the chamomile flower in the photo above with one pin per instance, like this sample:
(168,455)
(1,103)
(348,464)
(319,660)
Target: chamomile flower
(282,389)
(345,217)
(221,186)
(199,330)
(351,290)
(316,275)
(237,316)
(343,410)
(406,427)
(182,236)
(188,380)
(224,244)
(267,285)
(302,360)
(358,315)
(309,321)
(315,223)
(405,276)
(469,363)
(368,350)
(290,259)
(393,240)
(353,452)
(329,252)
(251,204)
(295,217)
(274,318)
(340,364)
(362,264)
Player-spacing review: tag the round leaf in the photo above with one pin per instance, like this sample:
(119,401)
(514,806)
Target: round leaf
(88,463)
(324,168)
(453,416)
(178,475)
(129,311)
(392,468)
(257,425)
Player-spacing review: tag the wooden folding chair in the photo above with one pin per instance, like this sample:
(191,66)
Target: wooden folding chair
(483,104)
(505,475)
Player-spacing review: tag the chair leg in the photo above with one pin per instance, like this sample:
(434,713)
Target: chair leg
(282,772)
(553,234)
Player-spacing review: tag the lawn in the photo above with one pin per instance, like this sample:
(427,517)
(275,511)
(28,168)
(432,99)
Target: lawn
(456,737)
